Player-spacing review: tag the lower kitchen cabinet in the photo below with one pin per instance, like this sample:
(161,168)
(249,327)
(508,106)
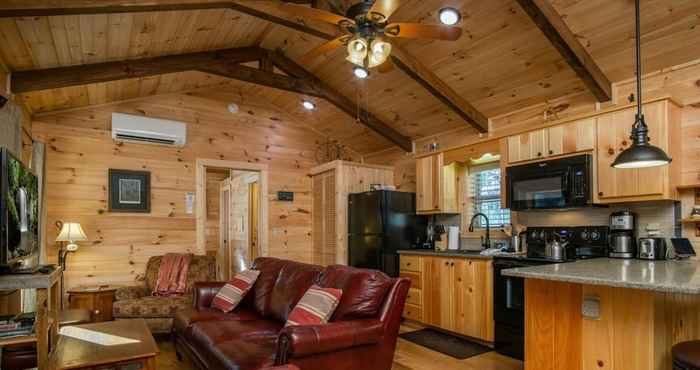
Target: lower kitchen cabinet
(456,294)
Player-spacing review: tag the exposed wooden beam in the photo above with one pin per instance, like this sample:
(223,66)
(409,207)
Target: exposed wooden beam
(260,77)
(341,101)
(115,9)
(564,40)
(438,88)
(223,63)
(52,78)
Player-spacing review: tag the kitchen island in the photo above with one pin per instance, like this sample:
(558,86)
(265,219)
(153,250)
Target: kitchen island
(608,313)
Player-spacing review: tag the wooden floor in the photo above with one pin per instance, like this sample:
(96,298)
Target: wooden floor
(408,356)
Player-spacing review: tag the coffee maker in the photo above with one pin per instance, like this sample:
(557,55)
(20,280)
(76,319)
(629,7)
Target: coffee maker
(623,227)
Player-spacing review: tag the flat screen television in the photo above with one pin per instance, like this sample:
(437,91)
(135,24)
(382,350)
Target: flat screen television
(19,215)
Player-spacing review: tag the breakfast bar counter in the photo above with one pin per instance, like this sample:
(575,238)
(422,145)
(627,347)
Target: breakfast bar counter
(608,313)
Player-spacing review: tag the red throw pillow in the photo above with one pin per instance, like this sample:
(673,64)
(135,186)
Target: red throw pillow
(231,294)
(315,307)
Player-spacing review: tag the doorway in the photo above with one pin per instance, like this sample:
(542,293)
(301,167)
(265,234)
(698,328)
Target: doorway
(231,214)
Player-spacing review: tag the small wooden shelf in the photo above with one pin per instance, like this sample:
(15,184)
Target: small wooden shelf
(18,340)
(690,220)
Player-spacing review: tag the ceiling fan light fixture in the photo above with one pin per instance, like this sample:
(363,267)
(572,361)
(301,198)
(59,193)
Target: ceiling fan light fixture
(380,52)
(357,51)
(360,72)
(449,16)
(308,104)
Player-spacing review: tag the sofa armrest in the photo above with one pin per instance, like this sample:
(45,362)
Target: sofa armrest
(300,341)
(203,293)
(130,292)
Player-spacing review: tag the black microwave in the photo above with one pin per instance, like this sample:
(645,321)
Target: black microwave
(553,184)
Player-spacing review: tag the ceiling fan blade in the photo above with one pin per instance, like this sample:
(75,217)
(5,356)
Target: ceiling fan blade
(305,12)
(385,7)
(322,49)
(423,31)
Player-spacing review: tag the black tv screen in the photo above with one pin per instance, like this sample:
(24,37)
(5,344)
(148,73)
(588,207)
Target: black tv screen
(19,212)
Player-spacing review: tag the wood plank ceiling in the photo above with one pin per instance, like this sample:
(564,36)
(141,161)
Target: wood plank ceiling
(503,62)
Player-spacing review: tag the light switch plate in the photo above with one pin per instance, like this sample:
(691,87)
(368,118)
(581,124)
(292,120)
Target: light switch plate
(590,308)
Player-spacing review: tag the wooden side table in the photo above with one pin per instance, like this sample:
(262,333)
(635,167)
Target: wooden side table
(96,299)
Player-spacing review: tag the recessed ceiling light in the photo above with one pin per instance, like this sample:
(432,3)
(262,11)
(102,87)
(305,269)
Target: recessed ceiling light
(233,108)
(360,72)
(307,104)
(449,16)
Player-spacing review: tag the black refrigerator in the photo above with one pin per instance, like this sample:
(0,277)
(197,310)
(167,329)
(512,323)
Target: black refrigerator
(379,224)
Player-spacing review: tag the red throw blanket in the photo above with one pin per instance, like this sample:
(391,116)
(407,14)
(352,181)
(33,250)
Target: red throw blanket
(172,275)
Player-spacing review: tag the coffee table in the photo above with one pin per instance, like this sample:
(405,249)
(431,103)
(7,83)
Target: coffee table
(73,353)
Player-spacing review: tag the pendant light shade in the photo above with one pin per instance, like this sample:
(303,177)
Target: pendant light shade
(641,154)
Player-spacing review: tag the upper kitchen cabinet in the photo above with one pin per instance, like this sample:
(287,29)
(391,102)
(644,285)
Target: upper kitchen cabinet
(572,137)
(527,146)
(628,185)
(436,185)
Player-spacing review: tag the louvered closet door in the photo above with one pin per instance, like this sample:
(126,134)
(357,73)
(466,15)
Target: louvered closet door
(324,216)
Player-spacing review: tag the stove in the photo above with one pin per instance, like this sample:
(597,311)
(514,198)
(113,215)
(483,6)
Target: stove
(509,292)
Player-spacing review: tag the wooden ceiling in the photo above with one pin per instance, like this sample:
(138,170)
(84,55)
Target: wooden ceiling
(503,62)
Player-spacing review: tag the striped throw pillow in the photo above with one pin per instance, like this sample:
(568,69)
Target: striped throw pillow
(315,307)
(231,294)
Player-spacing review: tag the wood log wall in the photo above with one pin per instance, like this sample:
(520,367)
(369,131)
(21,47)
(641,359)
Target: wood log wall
(81,150)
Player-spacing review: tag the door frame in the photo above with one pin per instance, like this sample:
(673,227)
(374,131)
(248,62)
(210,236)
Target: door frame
(200,198)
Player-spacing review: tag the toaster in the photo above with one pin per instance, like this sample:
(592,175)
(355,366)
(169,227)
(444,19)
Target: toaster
(651,248)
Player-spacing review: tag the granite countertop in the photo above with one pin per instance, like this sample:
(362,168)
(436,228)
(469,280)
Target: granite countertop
(659,276)
(448,253)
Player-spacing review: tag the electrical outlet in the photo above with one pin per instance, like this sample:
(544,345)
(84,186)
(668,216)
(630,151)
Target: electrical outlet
(590,308)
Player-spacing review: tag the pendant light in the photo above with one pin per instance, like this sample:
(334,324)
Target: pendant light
(641,154)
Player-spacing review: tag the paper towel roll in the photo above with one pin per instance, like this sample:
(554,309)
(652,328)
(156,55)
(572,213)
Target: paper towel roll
(453,238)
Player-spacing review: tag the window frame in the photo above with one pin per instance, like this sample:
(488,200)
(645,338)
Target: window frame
(474,200)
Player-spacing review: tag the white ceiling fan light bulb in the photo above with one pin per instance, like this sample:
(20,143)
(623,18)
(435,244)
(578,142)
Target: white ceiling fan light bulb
(360,72)
(308,105)
(449,16)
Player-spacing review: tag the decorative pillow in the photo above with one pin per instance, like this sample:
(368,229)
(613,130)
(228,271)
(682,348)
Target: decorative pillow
(315,307)
(231,294)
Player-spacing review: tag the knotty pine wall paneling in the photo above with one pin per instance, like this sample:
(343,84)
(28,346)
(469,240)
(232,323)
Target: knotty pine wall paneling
(81,150)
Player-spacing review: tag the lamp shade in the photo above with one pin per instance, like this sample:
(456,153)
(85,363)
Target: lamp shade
(641,156)
(71,232)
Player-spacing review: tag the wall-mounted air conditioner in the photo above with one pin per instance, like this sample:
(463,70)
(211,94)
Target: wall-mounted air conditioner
(127,127)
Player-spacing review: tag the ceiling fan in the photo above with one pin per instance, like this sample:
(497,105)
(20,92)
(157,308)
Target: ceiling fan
(366,28)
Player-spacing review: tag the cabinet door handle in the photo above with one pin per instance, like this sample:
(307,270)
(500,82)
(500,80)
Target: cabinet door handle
(551,152)
(447,263)
(459,280)
(452,263)
(408,263)
(600,194)
(470,290)
(539,154)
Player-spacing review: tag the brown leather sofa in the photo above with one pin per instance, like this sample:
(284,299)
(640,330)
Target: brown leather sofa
(361,335)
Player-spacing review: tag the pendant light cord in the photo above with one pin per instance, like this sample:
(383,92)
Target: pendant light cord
(638,42)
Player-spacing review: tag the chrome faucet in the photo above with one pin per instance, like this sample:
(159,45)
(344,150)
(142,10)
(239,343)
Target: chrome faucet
(484,243)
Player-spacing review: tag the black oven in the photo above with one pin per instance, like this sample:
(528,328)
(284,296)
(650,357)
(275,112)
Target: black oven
(558,183)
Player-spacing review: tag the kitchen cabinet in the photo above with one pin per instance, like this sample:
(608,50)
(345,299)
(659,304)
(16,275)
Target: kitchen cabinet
(627,185)
(572,137)
(411,267)
(527,146)
(456,295)
(436,185)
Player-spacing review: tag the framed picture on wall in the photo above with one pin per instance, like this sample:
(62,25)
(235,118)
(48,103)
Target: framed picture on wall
(129,191)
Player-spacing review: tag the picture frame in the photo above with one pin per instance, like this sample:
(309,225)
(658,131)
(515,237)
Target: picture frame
(129,191)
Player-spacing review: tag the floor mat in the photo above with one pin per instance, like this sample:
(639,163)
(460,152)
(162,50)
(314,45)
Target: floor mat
(450,345)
